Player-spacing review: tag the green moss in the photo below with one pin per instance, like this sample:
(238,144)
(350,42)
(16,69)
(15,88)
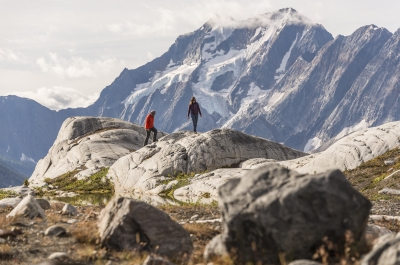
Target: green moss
(379,179)
(183,180)
(7,194)
(379,197)
(96,183)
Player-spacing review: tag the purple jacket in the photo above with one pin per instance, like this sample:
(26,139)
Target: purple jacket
(194,108)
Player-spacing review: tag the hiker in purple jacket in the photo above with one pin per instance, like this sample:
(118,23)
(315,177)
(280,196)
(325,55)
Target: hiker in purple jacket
(194,111)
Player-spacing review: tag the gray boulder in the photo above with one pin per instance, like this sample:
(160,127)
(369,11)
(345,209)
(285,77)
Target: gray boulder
(373,232)
(126,224)
(187,152)
(273,210)
(55,230)
(88,144)
(386,252)
(28,207)
(68,209)
(45,204)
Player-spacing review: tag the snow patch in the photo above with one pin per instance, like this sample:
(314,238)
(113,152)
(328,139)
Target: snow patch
(161,80)
(282,68)
(347,130)
(25,158)
(254,93)
(312,144)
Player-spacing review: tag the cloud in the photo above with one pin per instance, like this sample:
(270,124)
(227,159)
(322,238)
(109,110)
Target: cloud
(76,67)
(57,98)
(164,19)
(8,55)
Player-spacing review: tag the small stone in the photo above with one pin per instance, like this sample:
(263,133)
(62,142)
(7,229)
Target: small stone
(194,217)
(2,241)
(72,221)
(217,227)
(4,233)
(156,260)
(389,162)
(69,210)
(17,231)
(55,230)
(44,204)
(58,256)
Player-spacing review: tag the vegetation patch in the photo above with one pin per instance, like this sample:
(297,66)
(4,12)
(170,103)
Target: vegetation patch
(183,180)
(96,183)
(370,177)
(7,194)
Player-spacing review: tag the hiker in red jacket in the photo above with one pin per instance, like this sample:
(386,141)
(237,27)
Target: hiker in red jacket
(194,110)
(149,126)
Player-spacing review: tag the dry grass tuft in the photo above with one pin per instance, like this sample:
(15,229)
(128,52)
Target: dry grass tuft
(85,232)
(4,221)
(5,252)
(53,217)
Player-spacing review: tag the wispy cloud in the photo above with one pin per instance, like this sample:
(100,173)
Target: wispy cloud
(57,98)
(9,55)
(76,67)
(173,19)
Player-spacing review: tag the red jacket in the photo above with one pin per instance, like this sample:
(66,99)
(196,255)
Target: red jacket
(149,122)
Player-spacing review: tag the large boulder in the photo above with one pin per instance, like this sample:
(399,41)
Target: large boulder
(273,210)
(187,152)
(126,224)
(350,151)
(88,144)
(28,207)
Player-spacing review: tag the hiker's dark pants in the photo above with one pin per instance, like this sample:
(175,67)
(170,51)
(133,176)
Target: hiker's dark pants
(148,131)
(195,118)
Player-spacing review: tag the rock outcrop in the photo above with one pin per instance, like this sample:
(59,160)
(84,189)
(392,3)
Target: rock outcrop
(126,224)
(273,210)
(88,144)
(187,152)
(350,151)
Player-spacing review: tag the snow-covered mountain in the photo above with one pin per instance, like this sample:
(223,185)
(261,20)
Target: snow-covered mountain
(351,84)
(225,64)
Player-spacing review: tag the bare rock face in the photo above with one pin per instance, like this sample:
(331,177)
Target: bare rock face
(88,144)
(273,210)
(204,187)
(126,224)
(187,152)
(28,207)
(350,151)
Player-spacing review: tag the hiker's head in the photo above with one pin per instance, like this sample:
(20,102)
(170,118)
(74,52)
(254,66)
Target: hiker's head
(153,112)
(193,100)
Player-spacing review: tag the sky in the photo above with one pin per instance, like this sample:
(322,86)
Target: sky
(63,53)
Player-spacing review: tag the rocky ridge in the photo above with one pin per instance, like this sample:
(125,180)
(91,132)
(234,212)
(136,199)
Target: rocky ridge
(145,170)
(88,144)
